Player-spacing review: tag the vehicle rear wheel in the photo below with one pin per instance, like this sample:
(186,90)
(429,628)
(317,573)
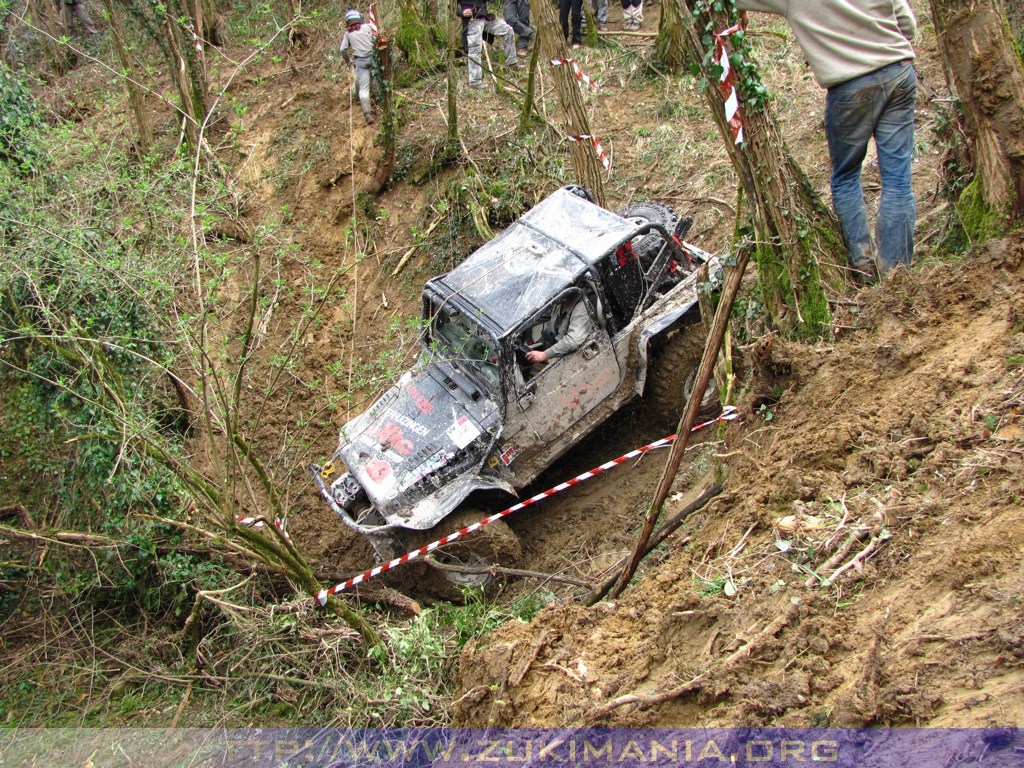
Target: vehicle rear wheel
(464,562)
(672,374)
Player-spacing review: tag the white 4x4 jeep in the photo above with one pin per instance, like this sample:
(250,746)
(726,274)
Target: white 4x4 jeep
(473,414)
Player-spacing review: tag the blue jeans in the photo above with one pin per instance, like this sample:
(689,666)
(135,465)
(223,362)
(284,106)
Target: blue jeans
(517,16)
(880,105)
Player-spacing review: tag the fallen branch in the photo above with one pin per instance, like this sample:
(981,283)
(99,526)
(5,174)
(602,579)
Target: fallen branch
(857,560)
(835,560)
(616,33)
(68,538)
(408,254)
(496,570)
(716,335)
(658,537)
(18,511)
(383,595)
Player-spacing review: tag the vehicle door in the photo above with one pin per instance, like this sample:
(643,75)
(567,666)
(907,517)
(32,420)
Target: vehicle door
(556,395)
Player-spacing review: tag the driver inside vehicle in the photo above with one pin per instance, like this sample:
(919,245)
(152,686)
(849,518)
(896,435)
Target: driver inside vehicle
(567,329)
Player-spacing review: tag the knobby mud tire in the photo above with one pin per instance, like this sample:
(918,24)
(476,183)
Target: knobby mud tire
(494,544)
(672,375)
(650,212)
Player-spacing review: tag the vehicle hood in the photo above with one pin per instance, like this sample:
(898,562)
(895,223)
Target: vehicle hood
(431,429)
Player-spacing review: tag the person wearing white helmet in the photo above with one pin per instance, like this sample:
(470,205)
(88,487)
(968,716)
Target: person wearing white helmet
(358,44)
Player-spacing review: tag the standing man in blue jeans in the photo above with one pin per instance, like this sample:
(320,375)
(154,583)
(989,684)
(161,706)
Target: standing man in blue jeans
(860,51)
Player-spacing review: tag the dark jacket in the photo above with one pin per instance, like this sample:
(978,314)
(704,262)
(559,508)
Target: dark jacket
(478,9)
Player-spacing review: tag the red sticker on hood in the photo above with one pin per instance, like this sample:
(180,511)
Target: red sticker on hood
(378,471)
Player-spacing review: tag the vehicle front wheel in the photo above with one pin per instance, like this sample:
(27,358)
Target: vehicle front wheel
(466,561)
(671,376)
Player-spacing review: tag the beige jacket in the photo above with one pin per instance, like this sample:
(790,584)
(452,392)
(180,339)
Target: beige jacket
(844,39)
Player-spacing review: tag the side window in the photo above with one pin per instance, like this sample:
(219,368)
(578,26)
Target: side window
(568,327)
(625,284)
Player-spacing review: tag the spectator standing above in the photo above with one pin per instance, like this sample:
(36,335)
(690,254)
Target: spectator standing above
(75,9)
(478,20)
(517,16)
(861,52)
(574,7)
(632,15)
(601,14)
(360,41)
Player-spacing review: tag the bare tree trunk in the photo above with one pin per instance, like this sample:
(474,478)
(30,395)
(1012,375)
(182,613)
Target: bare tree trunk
(144,136)
(454,44)
(668,46)
(208,23)
(526,113)
(800,253)
(988,76)
(188,70)
(552,46)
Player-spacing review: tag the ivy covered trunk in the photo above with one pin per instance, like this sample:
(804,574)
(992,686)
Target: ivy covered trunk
(800,254)
(584,154)
(986,73)
(386,138)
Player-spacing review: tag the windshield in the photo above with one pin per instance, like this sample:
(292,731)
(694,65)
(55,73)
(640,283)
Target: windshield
(467,345)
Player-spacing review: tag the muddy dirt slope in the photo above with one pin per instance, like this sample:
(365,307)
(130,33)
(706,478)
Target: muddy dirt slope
(863,563)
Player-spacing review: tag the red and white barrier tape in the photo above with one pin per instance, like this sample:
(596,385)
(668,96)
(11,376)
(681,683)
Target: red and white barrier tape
(372,17)
(581,76)
(728,413)
(727,85)
(601,155)
(196,42)
(256,522)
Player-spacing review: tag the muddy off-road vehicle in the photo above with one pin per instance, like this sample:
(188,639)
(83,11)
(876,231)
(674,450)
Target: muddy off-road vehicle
(474,414)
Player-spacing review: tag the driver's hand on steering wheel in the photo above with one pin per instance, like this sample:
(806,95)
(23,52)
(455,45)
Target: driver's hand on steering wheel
(536,356)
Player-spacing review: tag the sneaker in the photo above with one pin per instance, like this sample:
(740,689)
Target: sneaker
(602,27)
(477,86)
(514,65)
(521,51)
(575,46)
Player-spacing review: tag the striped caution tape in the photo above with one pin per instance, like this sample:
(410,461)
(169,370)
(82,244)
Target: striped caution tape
(727,85)
(601,155)
(728,413)
(581,76)
(257,522)
(371,16)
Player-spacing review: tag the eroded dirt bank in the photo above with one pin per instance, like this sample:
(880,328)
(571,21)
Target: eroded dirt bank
(895,456)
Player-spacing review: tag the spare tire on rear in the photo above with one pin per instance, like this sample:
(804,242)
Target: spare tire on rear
(647,247)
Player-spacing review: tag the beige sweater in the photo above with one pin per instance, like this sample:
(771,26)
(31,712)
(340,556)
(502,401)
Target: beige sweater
(844,39)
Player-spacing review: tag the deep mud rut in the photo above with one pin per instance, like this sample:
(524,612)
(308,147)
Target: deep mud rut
(907,433)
